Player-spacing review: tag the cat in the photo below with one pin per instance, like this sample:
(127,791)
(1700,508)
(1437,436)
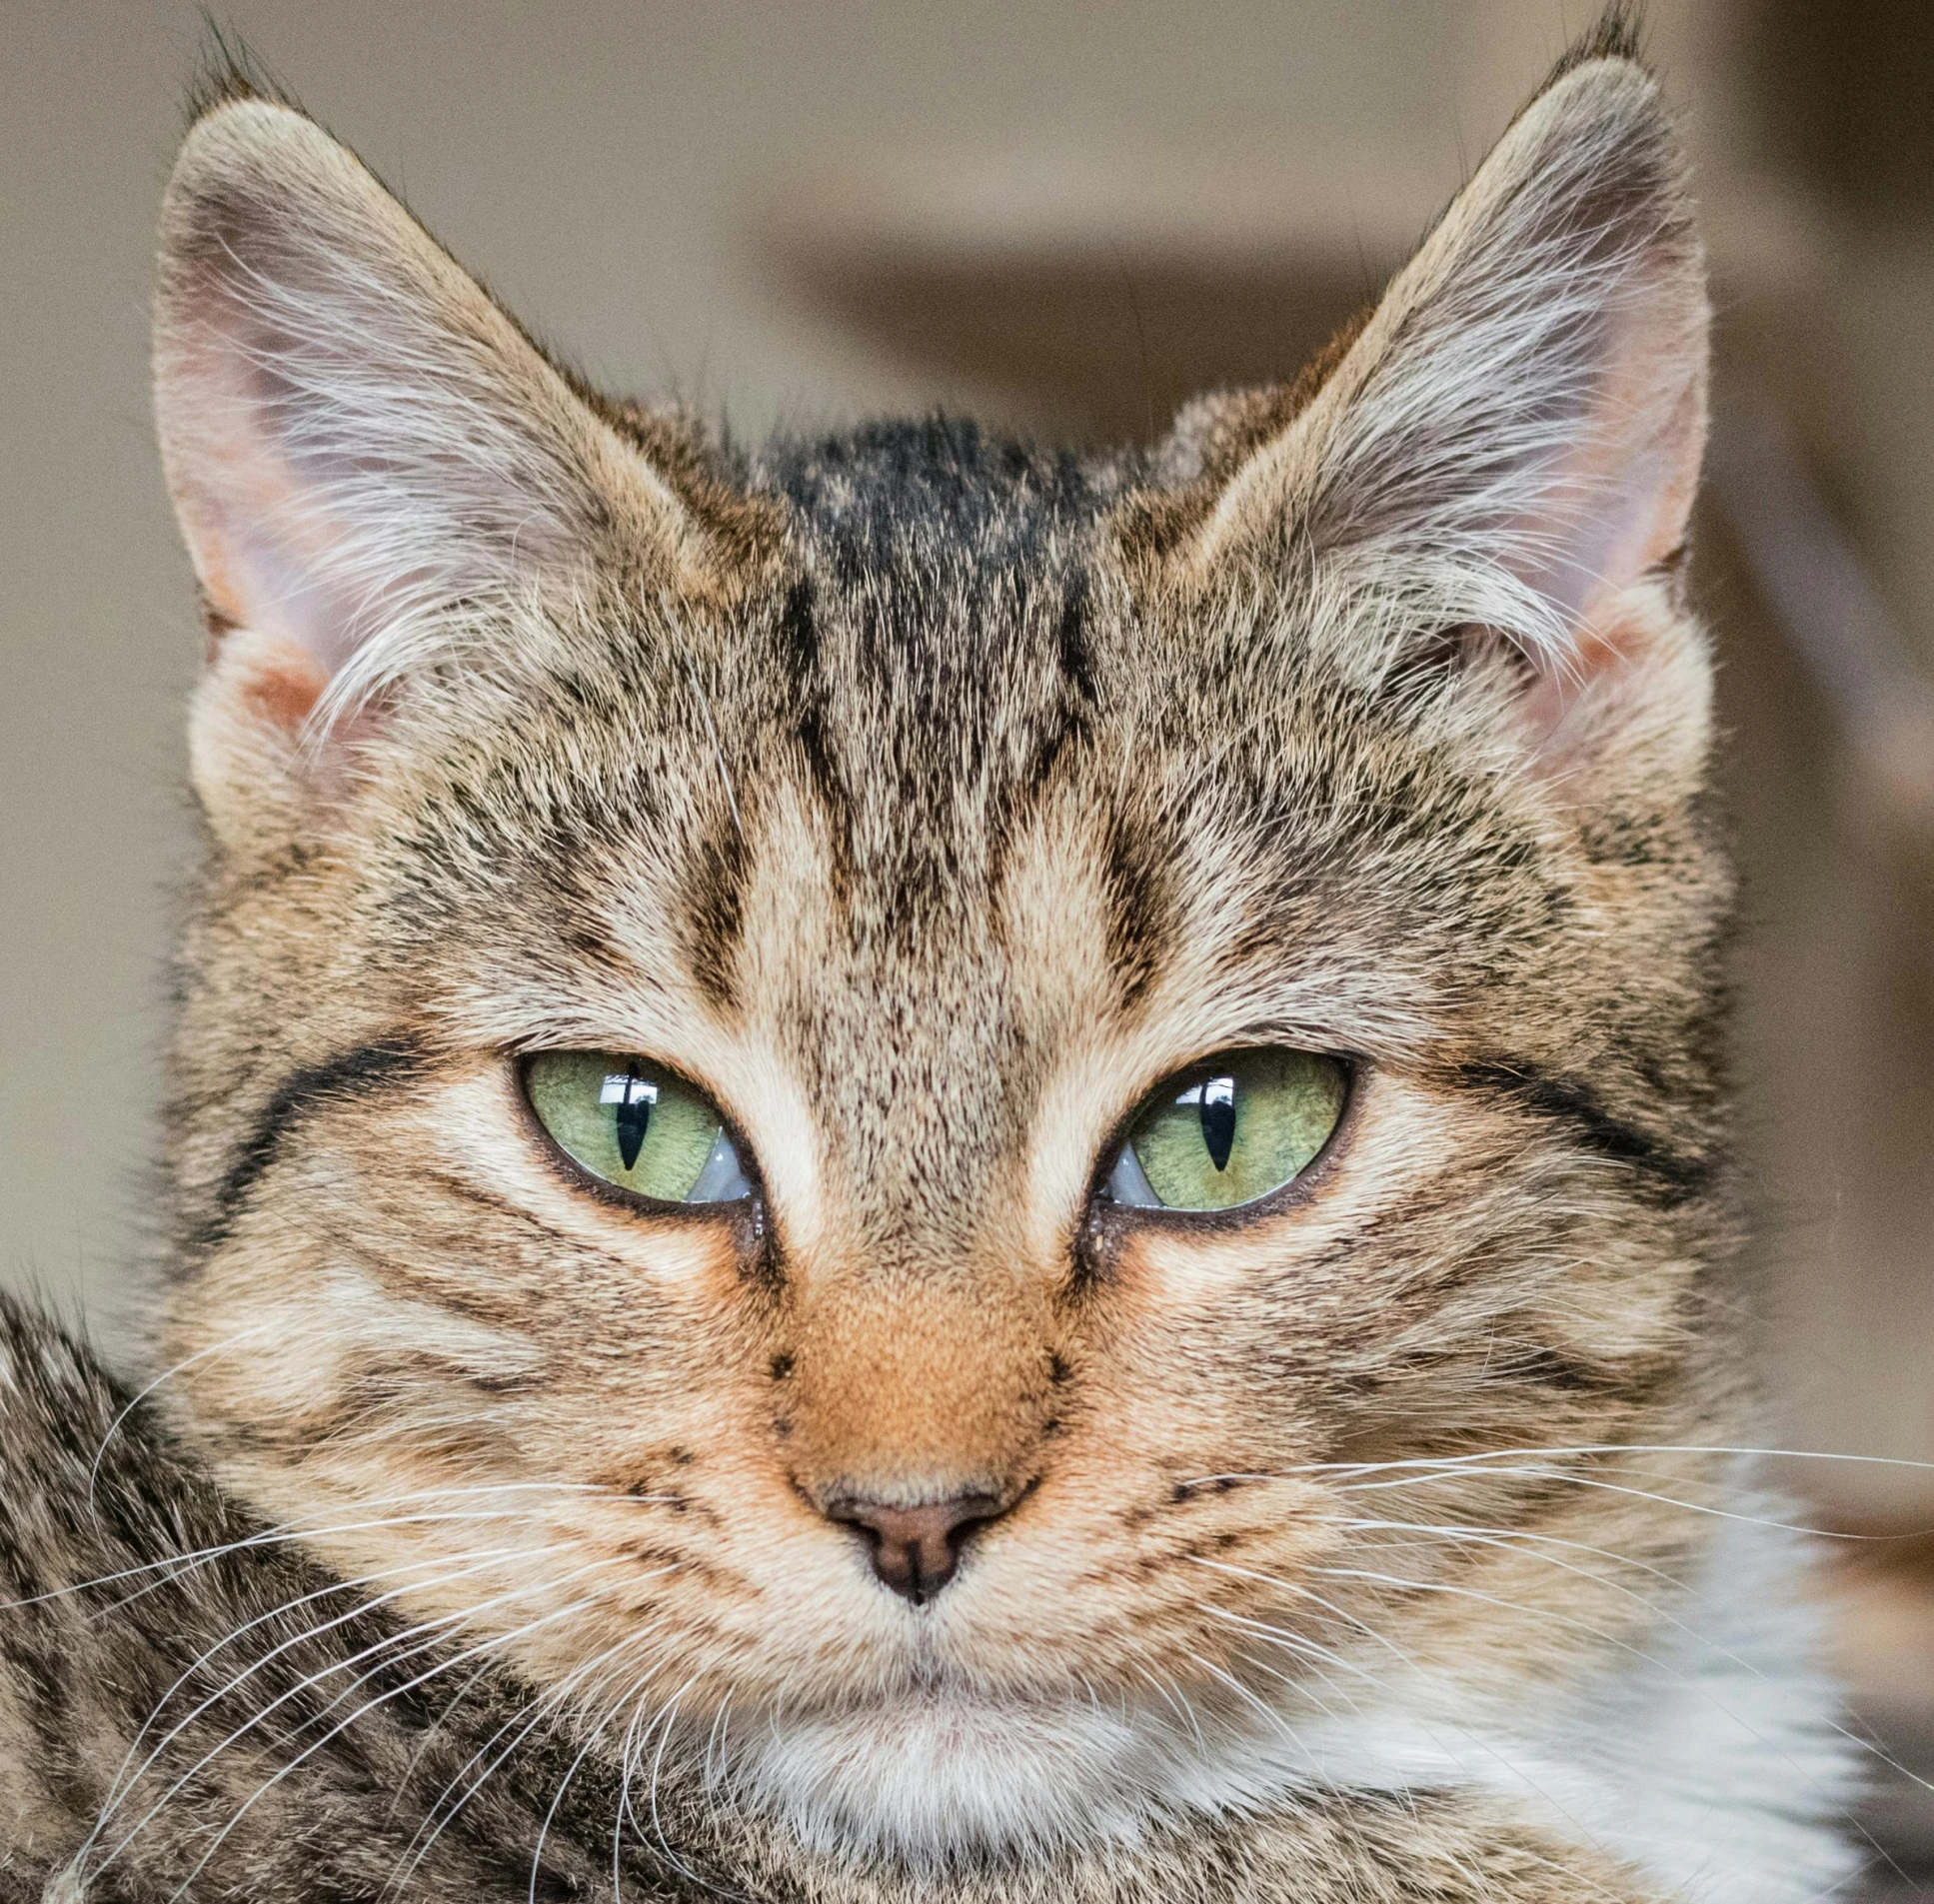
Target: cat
(908,1168)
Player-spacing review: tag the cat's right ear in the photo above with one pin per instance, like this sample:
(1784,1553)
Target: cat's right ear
(355,439)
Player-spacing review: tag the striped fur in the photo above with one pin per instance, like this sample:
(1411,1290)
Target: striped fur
(927,797)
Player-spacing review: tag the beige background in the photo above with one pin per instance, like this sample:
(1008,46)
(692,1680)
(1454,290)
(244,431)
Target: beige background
(792,210)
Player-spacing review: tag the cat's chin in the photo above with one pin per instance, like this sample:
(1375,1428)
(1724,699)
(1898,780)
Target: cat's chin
(944,1775)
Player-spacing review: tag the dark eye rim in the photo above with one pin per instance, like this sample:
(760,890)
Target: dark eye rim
(1301,1188)
(741,1208)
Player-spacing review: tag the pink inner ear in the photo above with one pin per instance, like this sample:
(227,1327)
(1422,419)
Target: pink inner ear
(268,557)
(1616,505)
(275,680)
(1617,509)
(1598,659)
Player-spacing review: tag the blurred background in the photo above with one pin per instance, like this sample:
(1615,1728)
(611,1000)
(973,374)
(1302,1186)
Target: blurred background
(1067,216)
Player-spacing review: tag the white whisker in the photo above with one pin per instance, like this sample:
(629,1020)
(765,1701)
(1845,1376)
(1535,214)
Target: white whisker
(383,1646)
(494,1642)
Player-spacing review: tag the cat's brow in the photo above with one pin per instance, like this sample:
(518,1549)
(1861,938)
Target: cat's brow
(357,1072)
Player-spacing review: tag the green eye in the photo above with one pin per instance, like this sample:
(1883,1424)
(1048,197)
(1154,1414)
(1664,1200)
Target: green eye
(1234,1129)
(635,1127)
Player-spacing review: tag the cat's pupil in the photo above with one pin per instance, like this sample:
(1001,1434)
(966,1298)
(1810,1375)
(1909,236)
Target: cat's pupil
(630,1099)
(1218,1120)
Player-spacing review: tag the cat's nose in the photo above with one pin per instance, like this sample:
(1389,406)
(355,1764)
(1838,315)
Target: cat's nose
(916,1549)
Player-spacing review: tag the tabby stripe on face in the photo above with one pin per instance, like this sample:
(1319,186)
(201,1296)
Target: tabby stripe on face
(1678,1175)
(797,655)
(354,1073)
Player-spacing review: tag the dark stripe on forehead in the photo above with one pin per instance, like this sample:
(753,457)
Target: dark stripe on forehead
(1141,907)
(883,489)
(1071,718)
(359,1072)
(1675,1175)
(713,889)
(804,699)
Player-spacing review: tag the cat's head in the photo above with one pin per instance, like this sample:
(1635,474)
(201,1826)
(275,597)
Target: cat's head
(838,1099)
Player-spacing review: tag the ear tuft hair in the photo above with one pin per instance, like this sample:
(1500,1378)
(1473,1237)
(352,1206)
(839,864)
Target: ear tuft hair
(230,70)
(1617,34)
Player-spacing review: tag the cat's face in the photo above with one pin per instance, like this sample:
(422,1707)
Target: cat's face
(912,815)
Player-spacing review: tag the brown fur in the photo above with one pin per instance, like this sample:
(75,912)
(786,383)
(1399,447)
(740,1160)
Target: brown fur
(929,799)
(161,1667)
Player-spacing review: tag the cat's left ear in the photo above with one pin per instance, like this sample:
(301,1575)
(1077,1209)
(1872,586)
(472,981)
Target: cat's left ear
(1512,441)
(357,440)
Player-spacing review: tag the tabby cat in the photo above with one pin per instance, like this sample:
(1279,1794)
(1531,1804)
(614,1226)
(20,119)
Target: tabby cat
(907,1168)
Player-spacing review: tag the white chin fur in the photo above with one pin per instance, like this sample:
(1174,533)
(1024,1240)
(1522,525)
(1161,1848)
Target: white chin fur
(942,1775)
(1711,1759)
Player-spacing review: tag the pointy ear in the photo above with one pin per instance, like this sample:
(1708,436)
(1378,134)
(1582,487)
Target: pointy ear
(1512,441)
(356,440)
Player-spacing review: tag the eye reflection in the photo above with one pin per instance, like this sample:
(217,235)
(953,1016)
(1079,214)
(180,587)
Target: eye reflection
(1230,1134)
(633,1100)
(637,1126)
(1215,1097)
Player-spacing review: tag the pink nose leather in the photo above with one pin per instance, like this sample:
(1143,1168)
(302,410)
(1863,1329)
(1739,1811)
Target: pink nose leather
(916,1549)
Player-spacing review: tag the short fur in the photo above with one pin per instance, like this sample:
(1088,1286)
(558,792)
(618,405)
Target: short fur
(928,798)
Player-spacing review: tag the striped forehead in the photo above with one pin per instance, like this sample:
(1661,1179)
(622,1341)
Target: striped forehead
(932,818)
